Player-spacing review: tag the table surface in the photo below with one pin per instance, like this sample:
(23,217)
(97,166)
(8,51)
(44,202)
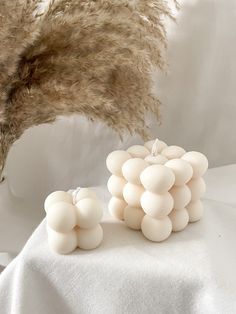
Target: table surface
(192,272)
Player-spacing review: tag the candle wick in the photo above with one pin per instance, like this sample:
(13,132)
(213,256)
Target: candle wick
(75,193)
(154,151)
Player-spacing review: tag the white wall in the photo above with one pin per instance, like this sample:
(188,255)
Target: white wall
(199,93)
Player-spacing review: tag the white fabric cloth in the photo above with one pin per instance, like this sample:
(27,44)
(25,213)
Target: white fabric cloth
(192,272)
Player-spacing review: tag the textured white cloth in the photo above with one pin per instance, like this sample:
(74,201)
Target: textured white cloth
(192,272)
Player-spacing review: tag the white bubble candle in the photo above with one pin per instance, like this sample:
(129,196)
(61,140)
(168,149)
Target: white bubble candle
(157,188)
(73,220)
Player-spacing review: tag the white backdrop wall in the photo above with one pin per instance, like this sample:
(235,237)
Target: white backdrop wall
(199,94)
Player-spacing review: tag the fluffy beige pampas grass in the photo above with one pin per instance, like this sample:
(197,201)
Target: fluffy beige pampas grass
(90,57)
